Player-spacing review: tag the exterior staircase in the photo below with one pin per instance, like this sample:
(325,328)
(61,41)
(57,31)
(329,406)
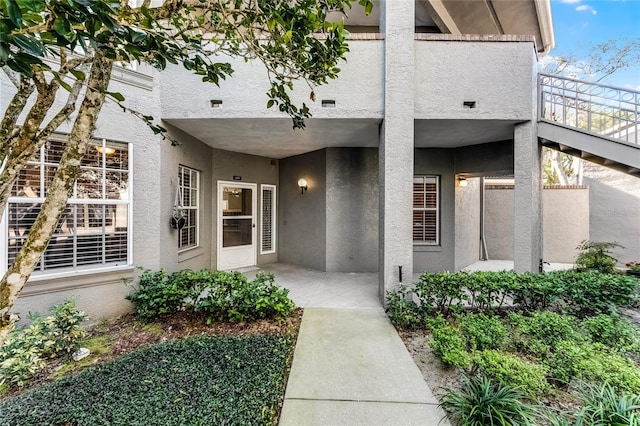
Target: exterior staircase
(595,122)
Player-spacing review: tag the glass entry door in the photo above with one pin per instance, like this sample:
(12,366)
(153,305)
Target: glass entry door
(236,225)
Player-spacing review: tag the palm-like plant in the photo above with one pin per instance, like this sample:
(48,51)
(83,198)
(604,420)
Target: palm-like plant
(603,406)
(482,402)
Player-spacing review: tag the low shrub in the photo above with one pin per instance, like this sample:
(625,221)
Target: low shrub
(593,363)
(25,350)
(235,299)
(220,295)
(539,333)
(483,332)
(512,371)
(575,292)
(483,402)
(591,292)
(205,380)
(401,310)
(158,293)
(442,292)
(594,255)
(613,331)
(602,405)
(535,291)
(448,344)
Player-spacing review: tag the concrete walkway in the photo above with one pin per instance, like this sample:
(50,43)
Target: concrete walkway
(351,368)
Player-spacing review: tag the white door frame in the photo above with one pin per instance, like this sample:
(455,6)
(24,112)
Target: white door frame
(247,254)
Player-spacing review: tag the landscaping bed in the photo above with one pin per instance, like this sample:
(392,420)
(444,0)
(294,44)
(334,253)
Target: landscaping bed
(551,348)
(172,367)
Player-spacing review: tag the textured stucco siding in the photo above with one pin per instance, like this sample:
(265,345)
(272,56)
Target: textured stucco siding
(565,223)
(497,76)
(352,210)
(302,218)
(498,222)
(467,226)
(438,258)
(614,200)
(357,92)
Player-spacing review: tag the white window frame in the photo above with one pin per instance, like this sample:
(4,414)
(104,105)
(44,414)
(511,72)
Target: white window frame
(193,172)
(264,188)
(39,275)
(436,209)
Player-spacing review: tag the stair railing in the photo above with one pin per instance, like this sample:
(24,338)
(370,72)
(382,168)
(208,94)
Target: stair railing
(606,111)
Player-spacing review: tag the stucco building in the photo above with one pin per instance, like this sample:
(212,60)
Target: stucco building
(432,92)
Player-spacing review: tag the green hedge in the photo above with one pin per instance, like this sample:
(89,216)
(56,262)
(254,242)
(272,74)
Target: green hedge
(575,292)
(200,380)
(221,295)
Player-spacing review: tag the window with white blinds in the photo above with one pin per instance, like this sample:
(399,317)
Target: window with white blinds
(426,210)
(268,219)
(94,230)
(189,192)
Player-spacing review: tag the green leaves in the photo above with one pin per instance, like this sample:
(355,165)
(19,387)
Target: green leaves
(14,12)
(25,350)
(208,380)
(223,296)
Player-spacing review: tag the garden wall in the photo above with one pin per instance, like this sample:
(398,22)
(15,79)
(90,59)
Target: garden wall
(565,221)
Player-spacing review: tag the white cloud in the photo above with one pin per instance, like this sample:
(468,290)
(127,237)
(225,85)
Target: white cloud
(585,8)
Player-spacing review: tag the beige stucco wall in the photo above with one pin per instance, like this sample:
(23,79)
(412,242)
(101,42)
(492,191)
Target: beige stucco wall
(565,223)
(614,200)
(467,226)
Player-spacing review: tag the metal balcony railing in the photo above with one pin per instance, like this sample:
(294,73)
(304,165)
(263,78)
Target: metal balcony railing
(606,111)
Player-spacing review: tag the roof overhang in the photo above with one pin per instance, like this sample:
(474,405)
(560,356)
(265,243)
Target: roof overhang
(511,17)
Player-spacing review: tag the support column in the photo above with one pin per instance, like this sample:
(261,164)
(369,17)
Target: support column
(527,196)
(397,146)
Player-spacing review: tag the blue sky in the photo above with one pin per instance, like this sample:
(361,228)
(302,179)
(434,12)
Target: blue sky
(580,23)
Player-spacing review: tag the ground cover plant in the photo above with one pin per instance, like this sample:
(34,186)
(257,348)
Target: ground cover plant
(226,365)
(196,380)
(549,336)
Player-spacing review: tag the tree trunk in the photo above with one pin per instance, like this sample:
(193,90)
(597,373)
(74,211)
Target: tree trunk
(556,164)
(58,194)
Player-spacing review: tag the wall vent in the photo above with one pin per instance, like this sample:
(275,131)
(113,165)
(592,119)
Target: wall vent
(328,103)
(469,104)
(216,103)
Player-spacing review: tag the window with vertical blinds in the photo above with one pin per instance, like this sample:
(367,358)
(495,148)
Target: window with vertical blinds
(94,229)
(268,220)
(189,192)
(426,210)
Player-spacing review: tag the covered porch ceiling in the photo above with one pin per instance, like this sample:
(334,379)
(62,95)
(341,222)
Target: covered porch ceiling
(275,138)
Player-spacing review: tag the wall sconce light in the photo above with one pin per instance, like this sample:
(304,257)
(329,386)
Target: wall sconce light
(462,182)
(302,183)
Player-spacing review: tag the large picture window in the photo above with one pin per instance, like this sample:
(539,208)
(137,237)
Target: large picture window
(189,192)
(94,230)
(426,210)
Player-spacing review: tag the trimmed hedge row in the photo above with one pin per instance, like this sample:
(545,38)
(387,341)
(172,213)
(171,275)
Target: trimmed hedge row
(198,380)
(578,293)
(222,296)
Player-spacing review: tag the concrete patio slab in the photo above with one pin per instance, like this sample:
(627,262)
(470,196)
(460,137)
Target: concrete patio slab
(351,367)
(313,288)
